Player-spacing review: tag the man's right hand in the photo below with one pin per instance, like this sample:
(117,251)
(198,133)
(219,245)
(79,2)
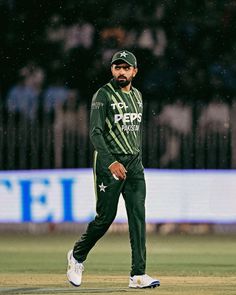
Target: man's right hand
(118,170)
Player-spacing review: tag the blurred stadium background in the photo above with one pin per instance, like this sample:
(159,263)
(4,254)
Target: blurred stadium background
(54,56)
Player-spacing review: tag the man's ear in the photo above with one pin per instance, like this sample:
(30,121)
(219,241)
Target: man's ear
(135,72)
(111,68)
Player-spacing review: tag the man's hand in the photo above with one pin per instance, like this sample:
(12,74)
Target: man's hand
(118,171)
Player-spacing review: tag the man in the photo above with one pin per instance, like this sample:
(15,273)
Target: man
(115,121)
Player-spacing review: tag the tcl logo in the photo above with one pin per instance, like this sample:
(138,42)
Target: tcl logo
(119,105)
(128,117)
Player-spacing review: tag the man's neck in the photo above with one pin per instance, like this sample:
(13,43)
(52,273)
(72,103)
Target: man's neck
(126,88)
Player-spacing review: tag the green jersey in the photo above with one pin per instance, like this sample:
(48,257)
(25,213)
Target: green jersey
(115,121)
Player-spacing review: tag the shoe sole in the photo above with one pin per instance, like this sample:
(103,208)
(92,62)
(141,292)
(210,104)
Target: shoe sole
(72,283)
(153,285)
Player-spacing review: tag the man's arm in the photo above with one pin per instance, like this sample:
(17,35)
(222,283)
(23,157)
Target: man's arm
(97,125)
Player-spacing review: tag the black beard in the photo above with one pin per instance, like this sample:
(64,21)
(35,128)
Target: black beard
(123,83)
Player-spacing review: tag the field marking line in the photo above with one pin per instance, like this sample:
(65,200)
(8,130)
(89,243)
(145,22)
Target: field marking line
(63,290)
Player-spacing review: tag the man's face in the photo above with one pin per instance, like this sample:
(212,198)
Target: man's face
(123,73)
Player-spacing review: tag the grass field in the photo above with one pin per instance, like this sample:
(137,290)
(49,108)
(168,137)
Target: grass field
(185,264)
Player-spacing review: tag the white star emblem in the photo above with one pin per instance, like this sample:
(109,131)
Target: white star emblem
(140,104)
(102,187)
(123,54)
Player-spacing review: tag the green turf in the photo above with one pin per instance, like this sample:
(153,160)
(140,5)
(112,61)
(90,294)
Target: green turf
(182,256)
(167,255)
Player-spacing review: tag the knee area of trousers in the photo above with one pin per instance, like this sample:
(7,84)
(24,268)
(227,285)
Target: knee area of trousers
(137,211)
(137,205)
(105,222)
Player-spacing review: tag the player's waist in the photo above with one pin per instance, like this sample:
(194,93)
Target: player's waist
(126,157)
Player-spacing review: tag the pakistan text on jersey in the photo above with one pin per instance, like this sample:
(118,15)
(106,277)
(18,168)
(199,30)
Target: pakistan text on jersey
(130,128)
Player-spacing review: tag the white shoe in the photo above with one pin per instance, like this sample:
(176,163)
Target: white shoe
(74,270)
(143,281)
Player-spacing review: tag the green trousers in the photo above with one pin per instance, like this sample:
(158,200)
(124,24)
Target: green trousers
(108,191)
